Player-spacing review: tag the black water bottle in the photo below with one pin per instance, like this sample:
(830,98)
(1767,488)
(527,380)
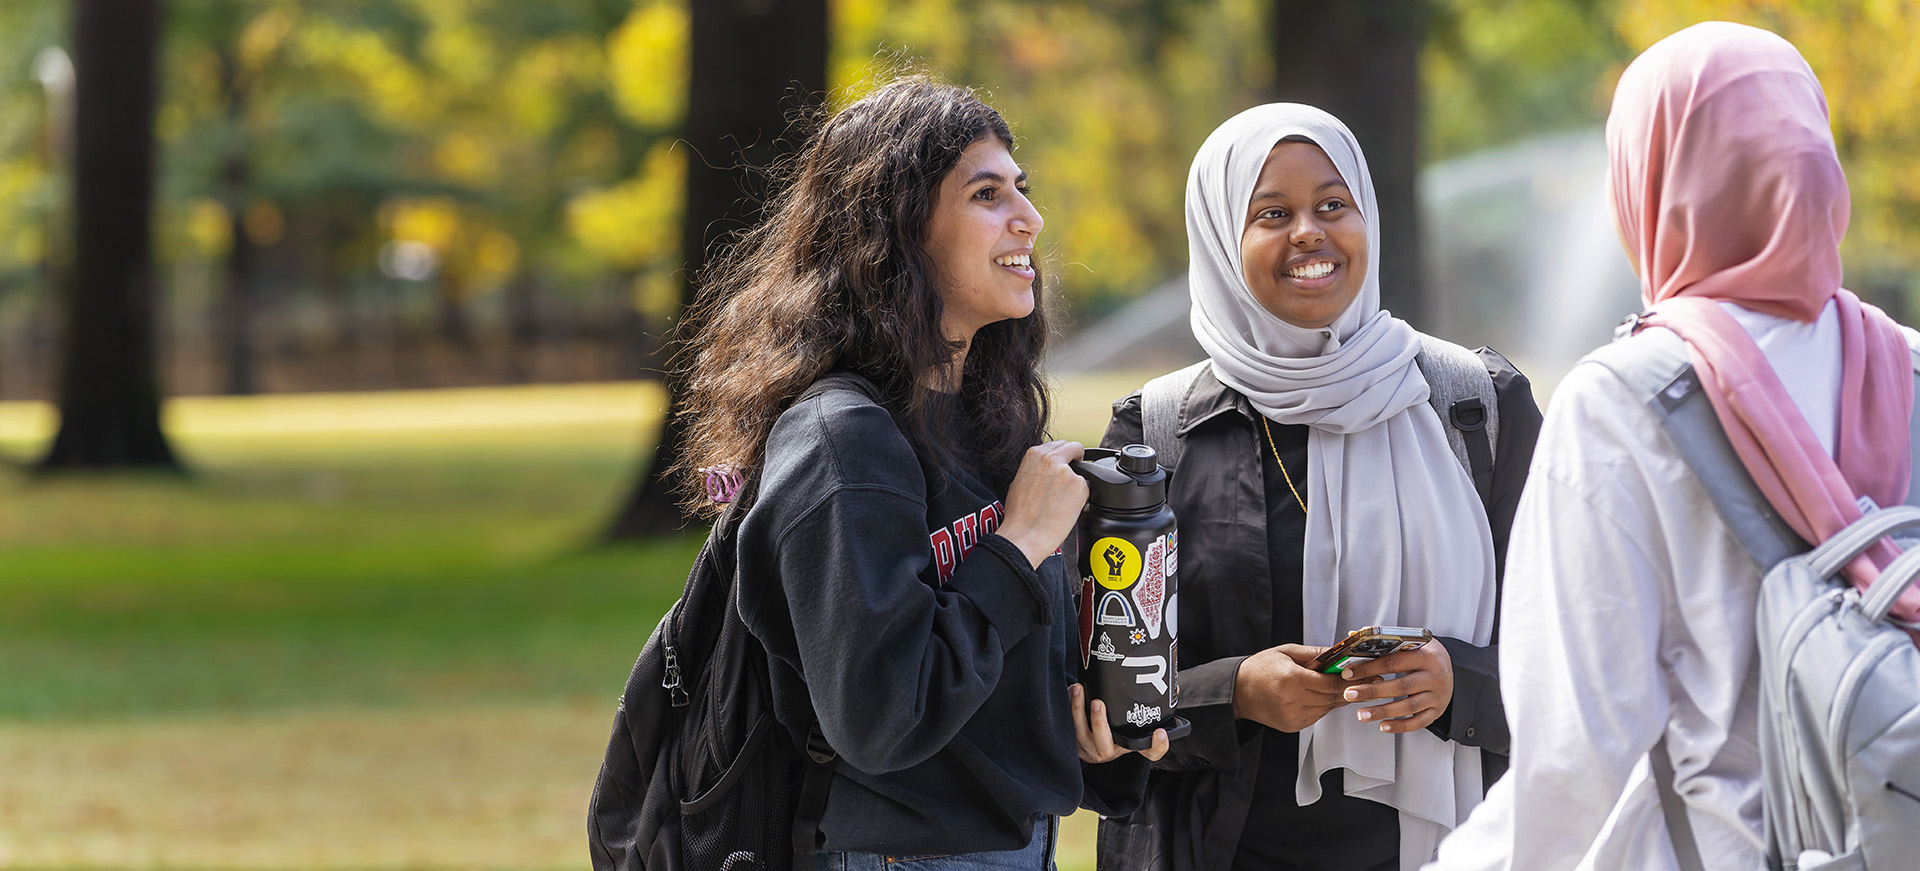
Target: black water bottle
(1127,552)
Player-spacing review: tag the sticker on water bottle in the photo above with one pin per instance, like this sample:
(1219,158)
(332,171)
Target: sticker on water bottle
(1152,589)
(1086,619)
(1115,563)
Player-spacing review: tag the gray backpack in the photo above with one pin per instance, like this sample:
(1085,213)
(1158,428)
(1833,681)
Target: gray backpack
(1840,683)
(1462,395)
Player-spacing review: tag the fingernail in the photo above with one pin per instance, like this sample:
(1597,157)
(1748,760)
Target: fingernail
(1099,707)
(1383,727)
(1347,673)
(1365,716)
(1074,691)
(1353,694)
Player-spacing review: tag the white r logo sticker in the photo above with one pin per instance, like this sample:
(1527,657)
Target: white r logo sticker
(1159,665)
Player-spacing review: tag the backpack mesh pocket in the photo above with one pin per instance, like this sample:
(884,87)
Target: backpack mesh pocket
(744,821)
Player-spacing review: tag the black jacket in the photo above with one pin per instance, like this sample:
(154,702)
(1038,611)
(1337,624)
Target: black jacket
(935,657)
(1199,795)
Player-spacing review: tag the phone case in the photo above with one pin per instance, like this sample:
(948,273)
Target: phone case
(1368,644)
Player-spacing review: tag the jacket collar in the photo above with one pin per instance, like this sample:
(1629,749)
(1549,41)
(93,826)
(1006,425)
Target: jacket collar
(1210,399)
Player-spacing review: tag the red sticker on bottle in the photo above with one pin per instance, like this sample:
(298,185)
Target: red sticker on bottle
(1086,619)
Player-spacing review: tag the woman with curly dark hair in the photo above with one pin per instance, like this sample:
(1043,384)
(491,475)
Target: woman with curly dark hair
(900,561)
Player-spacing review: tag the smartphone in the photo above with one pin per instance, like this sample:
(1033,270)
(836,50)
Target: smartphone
(1365,645)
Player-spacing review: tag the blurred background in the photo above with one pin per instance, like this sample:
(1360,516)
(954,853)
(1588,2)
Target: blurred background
(333,332)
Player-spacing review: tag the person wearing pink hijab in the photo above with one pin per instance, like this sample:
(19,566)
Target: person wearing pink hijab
(1637,624)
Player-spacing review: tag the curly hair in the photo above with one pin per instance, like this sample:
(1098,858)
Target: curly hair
(837,277)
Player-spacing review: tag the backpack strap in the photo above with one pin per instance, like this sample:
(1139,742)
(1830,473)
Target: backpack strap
(1655,366)
(1461,393)
(1163,410)
(1913,429)
(1686,851)
(812,804)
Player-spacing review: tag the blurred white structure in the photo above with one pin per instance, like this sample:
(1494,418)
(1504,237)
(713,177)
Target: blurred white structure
(1521,255)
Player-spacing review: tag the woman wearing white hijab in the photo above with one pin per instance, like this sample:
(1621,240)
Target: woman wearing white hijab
(1316,495)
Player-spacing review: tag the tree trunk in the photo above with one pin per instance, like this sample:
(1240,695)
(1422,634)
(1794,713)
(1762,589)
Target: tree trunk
(523,326)
(109,392)
(450,320)
(235,326)
(1361,62)
(336,230)
(750,59)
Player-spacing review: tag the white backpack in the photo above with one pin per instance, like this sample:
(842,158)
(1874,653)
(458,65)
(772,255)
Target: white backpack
(1840,707)
(1840,682)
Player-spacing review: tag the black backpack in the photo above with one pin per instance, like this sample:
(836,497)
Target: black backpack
(699,776)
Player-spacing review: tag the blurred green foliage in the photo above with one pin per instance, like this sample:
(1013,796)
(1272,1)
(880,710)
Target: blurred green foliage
(1867,55)
(1109,101)
(1500,70)
(534,141)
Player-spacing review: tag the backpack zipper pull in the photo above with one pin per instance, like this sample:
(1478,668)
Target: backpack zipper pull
(672,680)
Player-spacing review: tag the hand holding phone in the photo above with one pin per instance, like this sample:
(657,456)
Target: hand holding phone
(1402,691)
(1368,644)
(1276,688)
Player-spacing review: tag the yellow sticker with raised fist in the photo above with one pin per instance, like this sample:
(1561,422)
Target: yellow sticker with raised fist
(1115,563)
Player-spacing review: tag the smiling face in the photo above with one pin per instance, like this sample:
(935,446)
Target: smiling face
(980,239)
(1303,249)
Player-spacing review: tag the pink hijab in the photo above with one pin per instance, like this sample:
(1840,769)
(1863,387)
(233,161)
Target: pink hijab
(1727,187)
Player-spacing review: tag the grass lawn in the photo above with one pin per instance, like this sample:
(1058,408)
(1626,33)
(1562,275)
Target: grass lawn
(366,631)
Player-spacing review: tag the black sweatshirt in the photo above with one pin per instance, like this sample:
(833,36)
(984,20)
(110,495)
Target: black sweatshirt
(936,658)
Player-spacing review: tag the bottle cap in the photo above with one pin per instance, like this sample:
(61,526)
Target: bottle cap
(1129,479)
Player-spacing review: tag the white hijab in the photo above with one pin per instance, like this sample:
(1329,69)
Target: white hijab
(1396,534)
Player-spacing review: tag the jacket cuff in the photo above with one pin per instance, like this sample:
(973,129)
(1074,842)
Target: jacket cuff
(1206,701)
(1116,788)
(1477,716)
(1209,683)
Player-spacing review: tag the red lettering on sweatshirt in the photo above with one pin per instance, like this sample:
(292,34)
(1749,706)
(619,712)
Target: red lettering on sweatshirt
(944,555)
(951,545)
(967,531)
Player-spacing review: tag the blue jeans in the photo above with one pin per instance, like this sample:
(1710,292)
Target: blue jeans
(1036,856)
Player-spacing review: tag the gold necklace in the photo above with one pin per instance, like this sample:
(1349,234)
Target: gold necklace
(1283,464)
